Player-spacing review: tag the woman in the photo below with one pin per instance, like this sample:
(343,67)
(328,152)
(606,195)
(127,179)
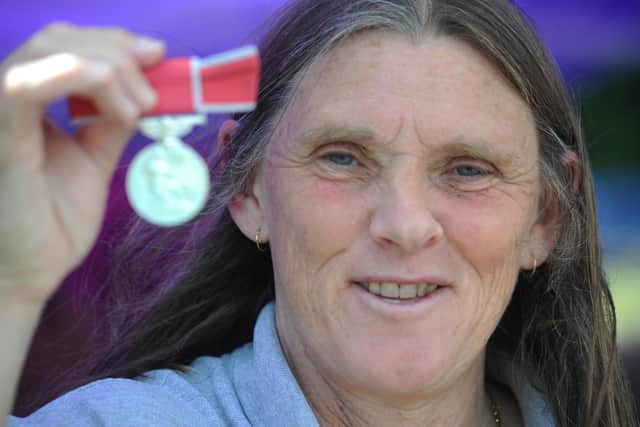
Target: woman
(418,175)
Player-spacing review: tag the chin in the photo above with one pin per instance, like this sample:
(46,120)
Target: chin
(403,372)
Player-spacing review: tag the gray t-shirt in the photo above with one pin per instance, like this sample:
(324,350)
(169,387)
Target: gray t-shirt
(251,386)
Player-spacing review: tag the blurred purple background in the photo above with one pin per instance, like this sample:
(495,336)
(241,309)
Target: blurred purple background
(586,36)
(589,38)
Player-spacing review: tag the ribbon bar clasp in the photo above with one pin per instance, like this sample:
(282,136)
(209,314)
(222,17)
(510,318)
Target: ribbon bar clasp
(223,83)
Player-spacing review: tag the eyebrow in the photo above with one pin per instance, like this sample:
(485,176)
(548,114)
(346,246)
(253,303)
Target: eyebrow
(476,147)
(481,149)
(337,134)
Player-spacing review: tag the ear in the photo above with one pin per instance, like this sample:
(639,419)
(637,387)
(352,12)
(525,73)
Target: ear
(246,211)
(543,234)
(572,164)
(225,133)
(245,208)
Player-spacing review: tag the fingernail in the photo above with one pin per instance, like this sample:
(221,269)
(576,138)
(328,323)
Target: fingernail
(146,44)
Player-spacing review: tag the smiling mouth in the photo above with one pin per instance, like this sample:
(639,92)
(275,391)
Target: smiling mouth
(399,292)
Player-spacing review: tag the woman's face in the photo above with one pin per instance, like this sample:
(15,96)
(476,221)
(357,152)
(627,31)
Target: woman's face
(398,166)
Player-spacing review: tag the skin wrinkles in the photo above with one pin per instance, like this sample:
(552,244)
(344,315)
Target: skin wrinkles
(509,167)
(360,178)
(508,162)
(408,179)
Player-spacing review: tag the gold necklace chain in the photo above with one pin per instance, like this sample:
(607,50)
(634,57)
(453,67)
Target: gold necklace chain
(495,410)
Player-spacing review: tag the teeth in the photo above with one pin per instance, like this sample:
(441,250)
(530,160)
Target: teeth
(424,289)
(389,290)
(394,291)
(374,288)
(408,291)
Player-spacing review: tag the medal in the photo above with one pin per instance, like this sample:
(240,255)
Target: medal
(168,182)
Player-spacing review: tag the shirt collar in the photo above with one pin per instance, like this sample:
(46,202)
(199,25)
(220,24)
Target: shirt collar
(272,394)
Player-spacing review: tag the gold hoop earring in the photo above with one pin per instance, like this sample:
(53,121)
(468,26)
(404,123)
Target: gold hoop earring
(260,248)
(535,265)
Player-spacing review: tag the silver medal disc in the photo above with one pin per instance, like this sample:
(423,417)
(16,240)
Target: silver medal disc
(167,184)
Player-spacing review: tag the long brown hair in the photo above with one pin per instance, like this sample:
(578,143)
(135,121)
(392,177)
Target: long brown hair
(197,290)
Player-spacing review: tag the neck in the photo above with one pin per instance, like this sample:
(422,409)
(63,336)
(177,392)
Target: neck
(464,403)
(342,408)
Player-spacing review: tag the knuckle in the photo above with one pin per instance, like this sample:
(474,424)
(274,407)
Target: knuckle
(58,27)
(48,38)
(121,37)
(52,31)
(107,77)
(122,66)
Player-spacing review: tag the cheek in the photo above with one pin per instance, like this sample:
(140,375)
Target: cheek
(310,220)
(484,235)
(311,223)
(487,231)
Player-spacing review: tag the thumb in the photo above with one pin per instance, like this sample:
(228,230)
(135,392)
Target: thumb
(104,142)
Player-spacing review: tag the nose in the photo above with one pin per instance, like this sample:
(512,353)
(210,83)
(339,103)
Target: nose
(403,217)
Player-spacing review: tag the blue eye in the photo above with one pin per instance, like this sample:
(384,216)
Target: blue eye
(341,159)
(469,171)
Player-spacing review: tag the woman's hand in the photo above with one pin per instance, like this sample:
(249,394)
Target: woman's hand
(53,186)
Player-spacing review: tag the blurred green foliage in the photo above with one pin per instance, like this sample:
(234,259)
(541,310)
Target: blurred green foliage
(610,109)
(624,277)
(611,118)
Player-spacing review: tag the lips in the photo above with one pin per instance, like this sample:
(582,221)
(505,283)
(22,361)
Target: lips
(401,291)
(400,299)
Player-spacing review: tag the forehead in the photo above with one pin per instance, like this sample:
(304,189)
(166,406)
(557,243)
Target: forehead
(382,82)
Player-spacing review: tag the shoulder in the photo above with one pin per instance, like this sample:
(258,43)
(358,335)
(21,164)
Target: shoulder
(203,395)
(113,402)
